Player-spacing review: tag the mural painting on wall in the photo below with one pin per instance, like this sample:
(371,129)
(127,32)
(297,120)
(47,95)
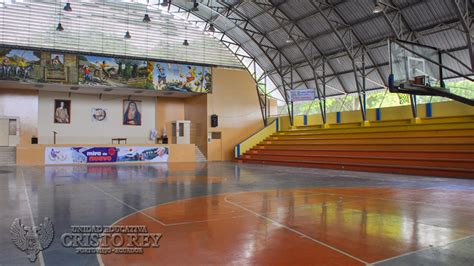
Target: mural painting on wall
(44,66)
(98,114)
(113,72)
(21,65)
(62,111)
(55,70)
(132,113)
(178,77)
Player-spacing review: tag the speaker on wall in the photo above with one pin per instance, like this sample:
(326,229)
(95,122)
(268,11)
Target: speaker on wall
(34,140)
(214,121)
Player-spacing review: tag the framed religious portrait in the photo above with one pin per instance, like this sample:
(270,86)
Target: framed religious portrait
(132,113)
(62,111)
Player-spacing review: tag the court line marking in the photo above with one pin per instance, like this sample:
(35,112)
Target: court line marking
(233,193)
(295,231)
(155,219)
(40,254)
(420,250)
(126,204)
(463,208)
(282,197)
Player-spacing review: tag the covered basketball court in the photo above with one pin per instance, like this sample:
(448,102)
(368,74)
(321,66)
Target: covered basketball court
(236,132)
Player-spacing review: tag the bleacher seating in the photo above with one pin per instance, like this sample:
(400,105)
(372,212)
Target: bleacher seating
(434,147)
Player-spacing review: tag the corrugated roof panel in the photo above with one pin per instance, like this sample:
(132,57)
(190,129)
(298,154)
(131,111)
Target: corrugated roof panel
(428,13)
(341,64)
(349,83)
(265,22)
(329,43)
(296,9)
(353,11)
(278,37)
(455,65)
(314,25)
(249,9)
(306,72)
(333,87)
(373,30)
(293,53)
(446,40)
(380,54)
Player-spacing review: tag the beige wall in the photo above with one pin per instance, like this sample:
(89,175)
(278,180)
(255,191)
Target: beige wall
(167,111)
(22,104)
(234,100)
(83,130)
(195,110)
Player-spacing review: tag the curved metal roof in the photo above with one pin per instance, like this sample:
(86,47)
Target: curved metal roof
(285,44)
(291,40)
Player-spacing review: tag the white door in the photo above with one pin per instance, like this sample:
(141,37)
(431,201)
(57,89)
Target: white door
(4,132)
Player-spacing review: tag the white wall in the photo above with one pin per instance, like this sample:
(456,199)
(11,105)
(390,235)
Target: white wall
(82,130)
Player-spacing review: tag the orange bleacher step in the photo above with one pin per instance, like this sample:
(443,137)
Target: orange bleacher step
(421,133)
(372,146)
(390,128)
(383,153)
(394,169)
(401,140)
(409,161)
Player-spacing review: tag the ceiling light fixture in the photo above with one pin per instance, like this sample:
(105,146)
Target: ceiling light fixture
(146,19)
(195,6)
(127,35)
(59,27)
(378,7)
(68,7)
(211,28)
(186,43)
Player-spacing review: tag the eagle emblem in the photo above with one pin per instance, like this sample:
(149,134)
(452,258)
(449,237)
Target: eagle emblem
(32,239)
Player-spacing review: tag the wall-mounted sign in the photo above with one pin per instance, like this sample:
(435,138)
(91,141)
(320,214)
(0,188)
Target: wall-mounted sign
(82,155)
(301,95)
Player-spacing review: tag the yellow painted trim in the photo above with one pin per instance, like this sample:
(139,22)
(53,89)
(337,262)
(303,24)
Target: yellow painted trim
(255,139)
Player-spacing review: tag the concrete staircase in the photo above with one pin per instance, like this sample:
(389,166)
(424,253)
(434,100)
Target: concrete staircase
(200,156)
(435,147)
(7,155)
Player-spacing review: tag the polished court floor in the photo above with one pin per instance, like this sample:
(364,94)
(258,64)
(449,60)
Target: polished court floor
(226,213)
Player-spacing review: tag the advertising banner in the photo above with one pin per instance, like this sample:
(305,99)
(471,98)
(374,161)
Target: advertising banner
(83,155)
(301,95)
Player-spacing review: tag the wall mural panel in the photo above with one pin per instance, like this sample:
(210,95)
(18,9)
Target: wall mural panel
(98,71)
(179,77)
(112,72)
(20,65)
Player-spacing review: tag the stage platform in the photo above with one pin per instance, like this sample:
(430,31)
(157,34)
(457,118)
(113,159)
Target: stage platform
(40,154)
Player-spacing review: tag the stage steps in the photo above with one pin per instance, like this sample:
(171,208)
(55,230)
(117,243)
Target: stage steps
(435,147)
(7,155)
(200,156)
